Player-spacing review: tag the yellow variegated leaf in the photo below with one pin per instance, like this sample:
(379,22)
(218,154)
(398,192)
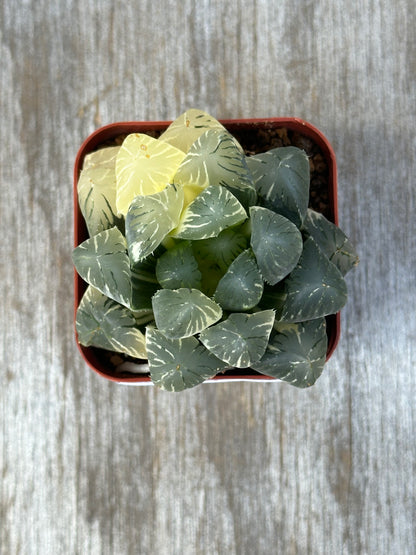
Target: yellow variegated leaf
(97,190)
(188,127)
(103,158)
(144,166)
(97,198)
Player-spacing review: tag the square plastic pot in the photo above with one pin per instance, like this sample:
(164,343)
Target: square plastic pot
(99,360)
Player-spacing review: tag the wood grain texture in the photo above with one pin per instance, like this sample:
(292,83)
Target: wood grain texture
(89,467)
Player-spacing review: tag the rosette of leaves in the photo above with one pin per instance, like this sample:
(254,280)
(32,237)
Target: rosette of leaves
(200,259)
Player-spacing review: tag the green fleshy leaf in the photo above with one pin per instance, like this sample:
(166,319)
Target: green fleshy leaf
(276,242)
(102,261)
(150,218)
(241,287)
(97,191)
(296,354)
(216,159)
(145,270)
(143,317)
(177,268)
(332,241)
(215,255)
(103,323)
(184,312)
(178,364)
(144,281)
(315,288)
(211,212)
(273,297)
(281,178)
(142,291)
(221,250)
(240,340)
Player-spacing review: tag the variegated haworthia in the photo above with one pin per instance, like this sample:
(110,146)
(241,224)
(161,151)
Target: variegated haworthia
(188,127)
(184,312)
(281,177)
(332,240)
(212,211)
(276,242)
(97,190)
(315,287)
(296,353)
(178,364)
(241,339)
(150,218)
(201,258)
(241,287)
(101,322)
(144,166)
(216,159)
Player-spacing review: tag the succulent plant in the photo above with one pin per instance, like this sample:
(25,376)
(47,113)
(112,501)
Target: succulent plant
(200,258)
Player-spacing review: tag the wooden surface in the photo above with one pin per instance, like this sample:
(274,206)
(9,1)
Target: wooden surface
(87,466)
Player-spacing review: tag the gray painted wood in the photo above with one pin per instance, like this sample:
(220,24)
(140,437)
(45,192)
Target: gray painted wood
(91,467)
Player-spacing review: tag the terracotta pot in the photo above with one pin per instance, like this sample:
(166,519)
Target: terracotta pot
(96,358)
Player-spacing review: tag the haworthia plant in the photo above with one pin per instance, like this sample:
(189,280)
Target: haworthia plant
(215,159)
(201,259)
(212,211)
(144,166)
(296,353)
(281,177)
(315,287)
(101,322)
(188,127)
(97,190)
(241,287)
(276,242)
(178,267)
(332,240)
(150,218)
(177,364)
(184,312)
(241,339)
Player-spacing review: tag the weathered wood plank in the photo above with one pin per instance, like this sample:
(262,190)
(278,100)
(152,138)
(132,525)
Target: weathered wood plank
(90,467)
